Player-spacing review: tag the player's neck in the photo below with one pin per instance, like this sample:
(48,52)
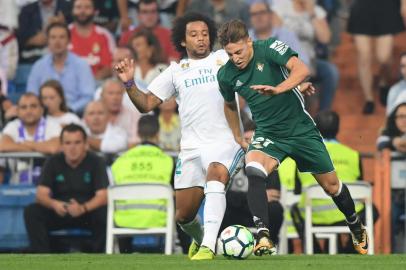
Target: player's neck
(198,57)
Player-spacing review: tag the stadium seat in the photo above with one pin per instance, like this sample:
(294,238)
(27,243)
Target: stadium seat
(360,191)
(140,192)
(13,200)
(288,198)
(287,232)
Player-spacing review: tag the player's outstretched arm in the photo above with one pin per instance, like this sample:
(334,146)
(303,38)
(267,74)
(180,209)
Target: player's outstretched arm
(233,119)
(144,102)
(298,73)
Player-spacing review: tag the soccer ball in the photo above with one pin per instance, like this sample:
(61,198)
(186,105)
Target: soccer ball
(236,242)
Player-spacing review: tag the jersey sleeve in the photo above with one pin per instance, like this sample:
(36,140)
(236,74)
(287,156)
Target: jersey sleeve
(278,52)
(162,86)
(225,88)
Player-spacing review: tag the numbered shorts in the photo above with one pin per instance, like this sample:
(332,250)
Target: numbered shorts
(191,166)
(308,151)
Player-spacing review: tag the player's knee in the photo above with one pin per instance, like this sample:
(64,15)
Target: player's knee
(332,188)
(218,172)
(255,170)
(182,217)
(214,187)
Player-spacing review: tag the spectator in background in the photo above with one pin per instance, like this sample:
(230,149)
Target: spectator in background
(29,133)
(263,27)
(119,115)
(169,126)
(399,88)
(221,11)
(309,22)
(119,54)
(168,9)
(33,21)
(71,71)
(71,194)
(52,97)
(93,43)
(103,137)
(148,164)
(148,17)
(148,57)
(376,21)
(393,138)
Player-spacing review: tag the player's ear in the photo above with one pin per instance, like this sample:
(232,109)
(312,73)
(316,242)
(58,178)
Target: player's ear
(249,41)
(183,44)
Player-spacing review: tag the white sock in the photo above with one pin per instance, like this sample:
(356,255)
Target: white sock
(214,209)
(193,229)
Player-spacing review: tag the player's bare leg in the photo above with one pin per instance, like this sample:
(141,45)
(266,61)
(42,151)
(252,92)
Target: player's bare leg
(342,198)
(258,166)
(187,205)
(363,44)
(214,209)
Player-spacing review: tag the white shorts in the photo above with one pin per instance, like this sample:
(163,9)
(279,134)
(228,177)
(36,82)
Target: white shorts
(191,166)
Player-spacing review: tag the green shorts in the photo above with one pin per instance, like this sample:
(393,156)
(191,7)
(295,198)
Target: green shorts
(308,151)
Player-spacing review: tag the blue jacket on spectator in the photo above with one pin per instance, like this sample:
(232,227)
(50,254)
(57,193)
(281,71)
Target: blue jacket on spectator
(76,79)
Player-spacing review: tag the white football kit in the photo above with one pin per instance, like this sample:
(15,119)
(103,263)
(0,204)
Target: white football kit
(206,136)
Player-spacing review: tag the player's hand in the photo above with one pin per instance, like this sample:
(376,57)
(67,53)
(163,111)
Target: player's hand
(60,208)
(243,143)
(125,69)
(267,90)
(307,88)
(75,209)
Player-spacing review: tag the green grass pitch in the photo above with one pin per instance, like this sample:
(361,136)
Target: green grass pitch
(180,262)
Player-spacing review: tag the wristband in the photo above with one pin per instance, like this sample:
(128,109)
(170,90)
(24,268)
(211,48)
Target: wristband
(128,84)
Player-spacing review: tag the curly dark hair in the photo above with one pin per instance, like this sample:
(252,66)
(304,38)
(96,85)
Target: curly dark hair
(179,30)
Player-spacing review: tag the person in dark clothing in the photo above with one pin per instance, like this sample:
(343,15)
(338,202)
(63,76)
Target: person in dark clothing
(71,194)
